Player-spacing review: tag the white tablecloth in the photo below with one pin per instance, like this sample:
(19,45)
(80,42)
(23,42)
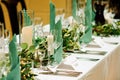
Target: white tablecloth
(106,68)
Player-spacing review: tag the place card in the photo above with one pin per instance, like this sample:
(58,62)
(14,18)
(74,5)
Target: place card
(71,63)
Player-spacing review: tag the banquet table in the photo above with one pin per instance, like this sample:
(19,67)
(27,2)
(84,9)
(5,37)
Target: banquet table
(106,67)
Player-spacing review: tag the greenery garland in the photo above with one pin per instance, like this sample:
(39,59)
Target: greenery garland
(71,36)
(107,30)
(30,55)
(26,58)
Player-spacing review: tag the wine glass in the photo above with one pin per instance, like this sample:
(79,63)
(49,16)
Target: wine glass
(44,59)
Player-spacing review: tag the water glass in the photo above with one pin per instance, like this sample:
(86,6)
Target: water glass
(80,16)
(37,29)
(60,14)
(1,37)
(57,40)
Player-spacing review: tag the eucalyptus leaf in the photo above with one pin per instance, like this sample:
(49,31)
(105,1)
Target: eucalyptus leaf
(24,46)
(32,48)
(71,37)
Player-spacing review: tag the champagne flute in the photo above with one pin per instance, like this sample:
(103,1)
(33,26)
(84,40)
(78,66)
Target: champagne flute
(44,59)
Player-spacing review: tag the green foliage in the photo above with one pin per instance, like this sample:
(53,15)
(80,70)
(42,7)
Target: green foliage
(41,43)
(107,30)
(26,58)
(31,54)
(42,46)
(4,65)
(71,37)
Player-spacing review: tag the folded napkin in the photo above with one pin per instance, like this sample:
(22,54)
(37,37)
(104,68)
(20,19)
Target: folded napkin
(27,20)
(52,16)
(58,28)
(87,37)
(74,8)
(14,73)
(93,16)
(59,51)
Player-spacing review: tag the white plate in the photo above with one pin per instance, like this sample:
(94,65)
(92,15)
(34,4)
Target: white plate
(112,40)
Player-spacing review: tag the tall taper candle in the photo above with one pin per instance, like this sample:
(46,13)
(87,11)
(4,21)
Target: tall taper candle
(50,40)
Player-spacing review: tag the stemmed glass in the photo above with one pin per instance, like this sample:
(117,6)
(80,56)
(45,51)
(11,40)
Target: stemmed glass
(81,21)
(57,43)
(83,43)
(44,59)
(40,41)
(57,40)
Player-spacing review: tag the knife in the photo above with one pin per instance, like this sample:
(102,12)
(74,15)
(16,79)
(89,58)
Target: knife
(87,59)
(91,52)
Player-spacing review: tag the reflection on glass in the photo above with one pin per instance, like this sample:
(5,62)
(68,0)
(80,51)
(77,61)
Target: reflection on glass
(37,29)
(60,14)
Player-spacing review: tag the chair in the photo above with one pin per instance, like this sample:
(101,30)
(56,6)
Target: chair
(6,19)
(1,14)
(10,10)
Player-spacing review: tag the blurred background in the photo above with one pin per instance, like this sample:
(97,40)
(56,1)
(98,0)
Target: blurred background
(9,10)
